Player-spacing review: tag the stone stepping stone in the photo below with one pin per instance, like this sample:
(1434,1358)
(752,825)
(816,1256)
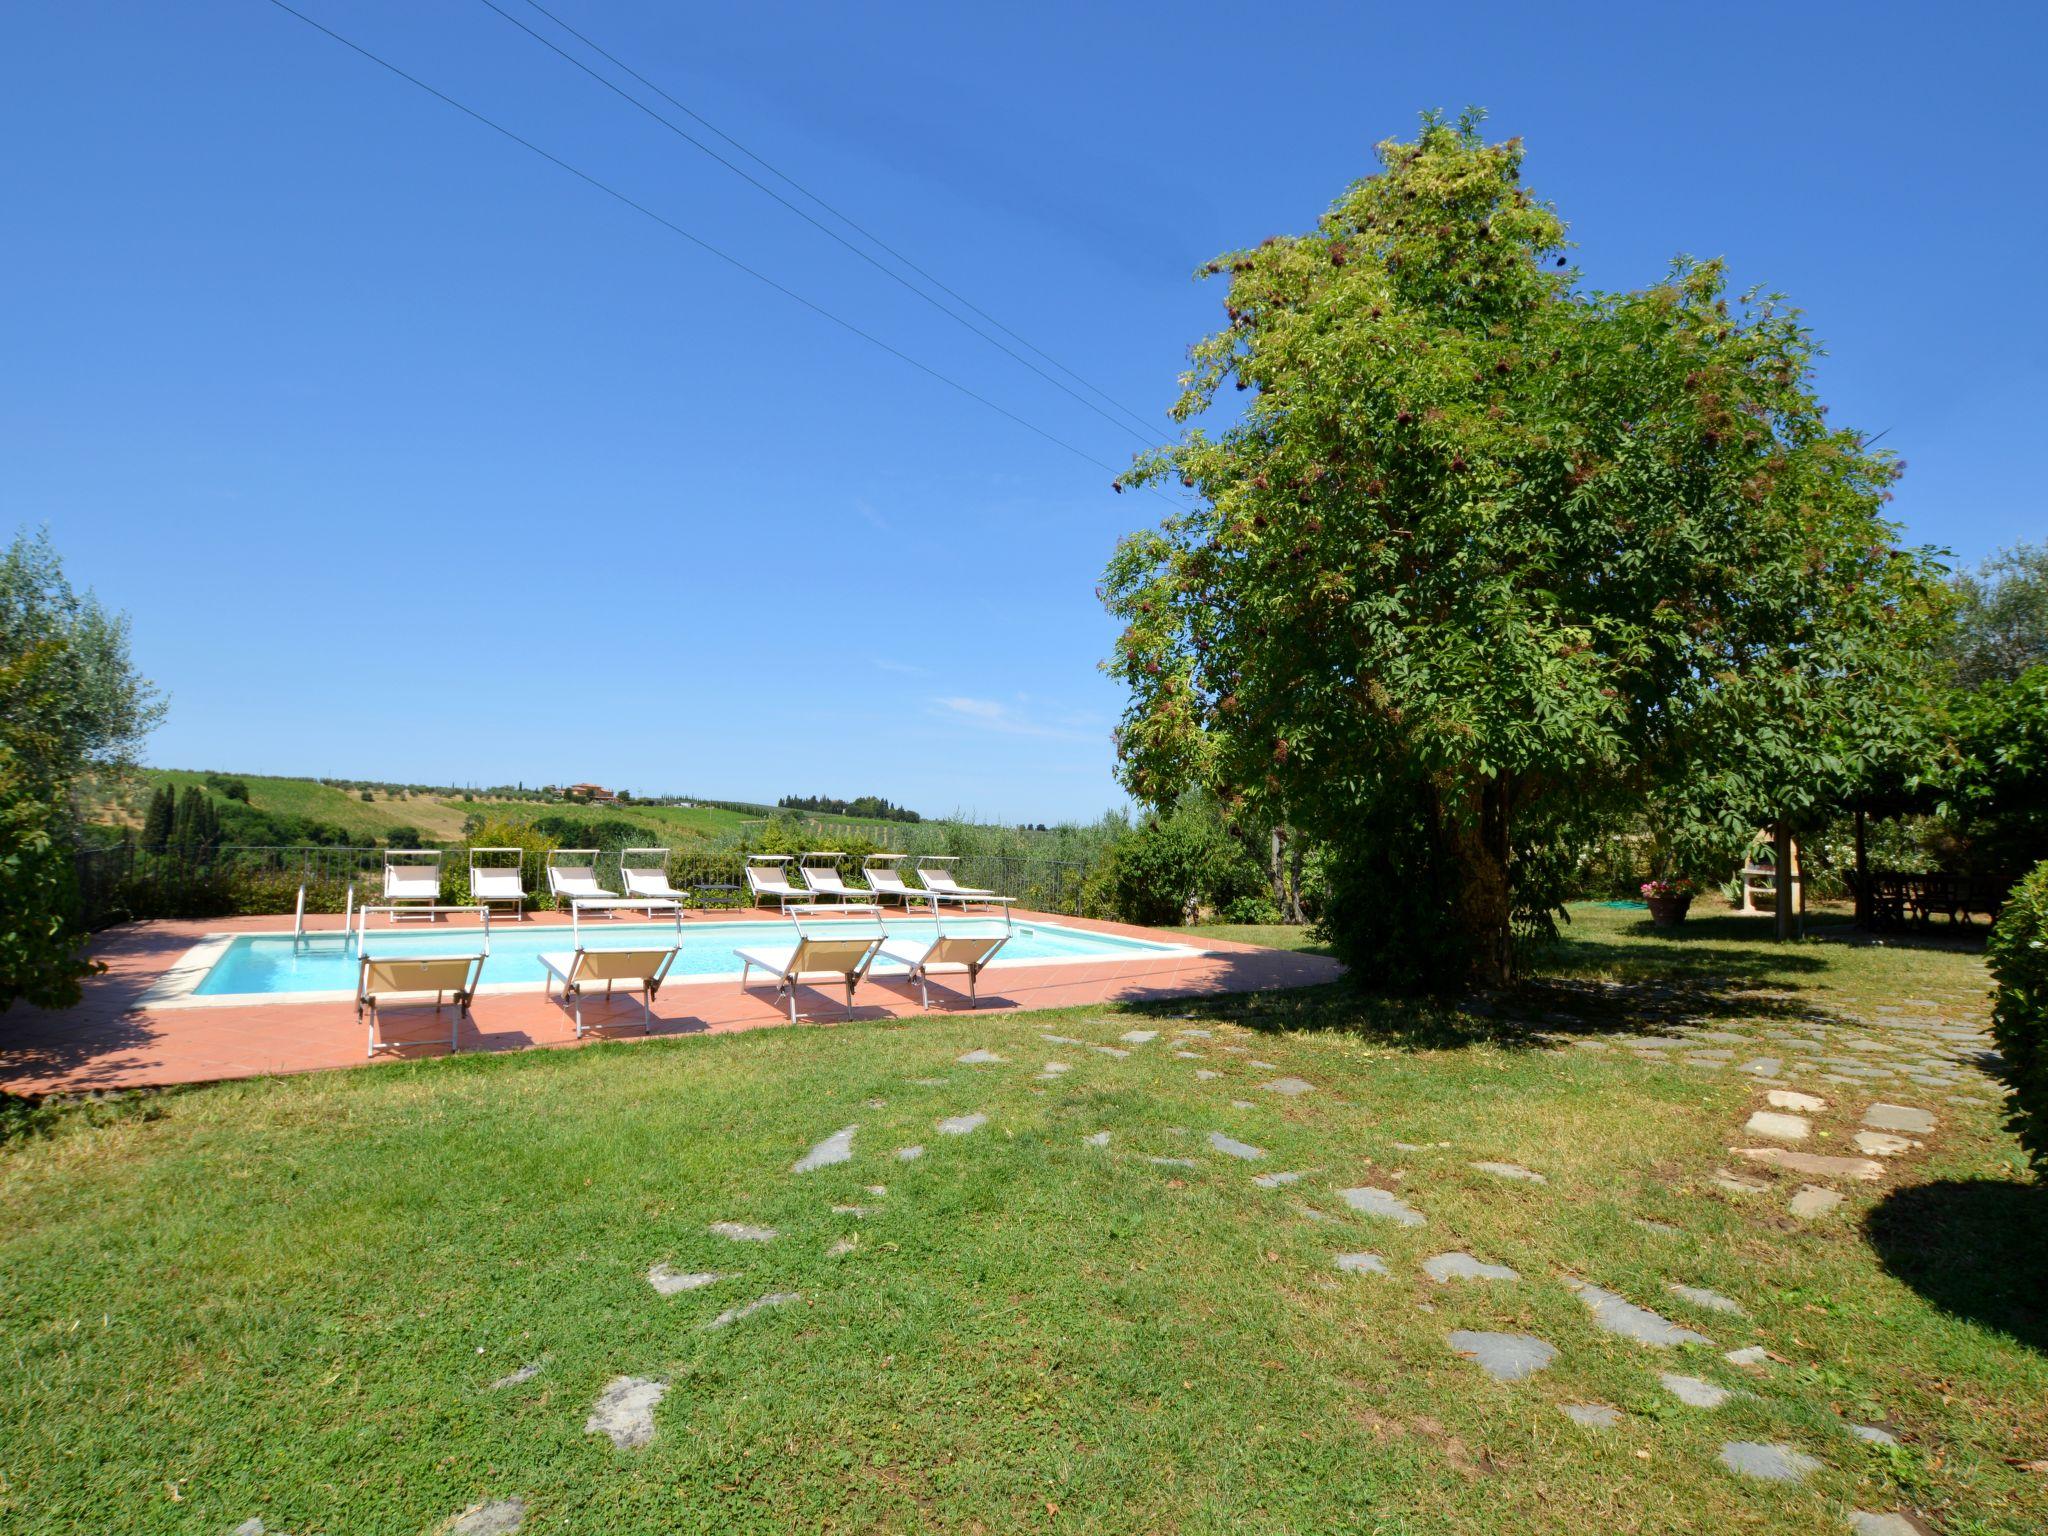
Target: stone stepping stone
(1871,1434)
(928,1082)
(1173,1162)
(1370,1201)
(1138,1036)
(1811,1201)
(1591,1415)
(857,1212)
(668,1281)
(624,1411)
(1275,1180)
(1230,1146)
(1289,1087)
(1504,1356)
(1190,1055)
(1882,1143)
(1899,1117)
(524,1374)
(1712,1301)
(836,1148)
(1111,1050)
(1813,1164)
(1446,1267)
(1204,1075)
(1804,1103)
(1870,1522)
(1693,1392)
(1053,1069)
(1750,1355)
(979,1058)
(1661,1228)
(1196,1034)
(1098,1139)
(1242,1104)
(500,1517)
(1778,1126)
(1360,1263)
(1617,1314)
(1310,1213)
(1771,1463)
(732,1315)
(1061,1040)
(841,1247)
(1511,1171)
(960,1125)
(1762,1066)
(743,1232)
(1263,1066)
(909,1154)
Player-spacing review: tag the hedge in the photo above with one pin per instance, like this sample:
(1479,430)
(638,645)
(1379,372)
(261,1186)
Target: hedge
(2018,952)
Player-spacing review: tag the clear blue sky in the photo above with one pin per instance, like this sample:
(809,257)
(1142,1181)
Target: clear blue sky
(414,458)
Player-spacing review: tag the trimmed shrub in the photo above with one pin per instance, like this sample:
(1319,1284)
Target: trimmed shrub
(2018,952)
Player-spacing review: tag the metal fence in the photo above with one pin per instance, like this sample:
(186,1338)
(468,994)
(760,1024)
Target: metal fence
(125,883)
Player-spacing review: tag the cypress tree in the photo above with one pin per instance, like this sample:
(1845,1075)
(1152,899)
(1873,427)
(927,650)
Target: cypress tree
(156,824)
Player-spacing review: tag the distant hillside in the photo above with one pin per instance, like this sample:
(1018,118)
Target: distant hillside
(371,815)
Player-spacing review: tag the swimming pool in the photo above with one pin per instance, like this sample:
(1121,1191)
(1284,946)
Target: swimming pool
(271,967)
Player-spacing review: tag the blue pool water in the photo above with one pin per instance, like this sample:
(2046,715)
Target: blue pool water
(263,963)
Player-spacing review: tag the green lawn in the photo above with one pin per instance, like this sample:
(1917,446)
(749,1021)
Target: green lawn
(288,1298)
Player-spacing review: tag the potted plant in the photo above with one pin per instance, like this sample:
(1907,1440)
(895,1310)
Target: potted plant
(1668,898)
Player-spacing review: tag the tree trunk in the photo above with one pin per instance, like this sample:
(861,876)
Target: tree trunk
(1785,852)
(1862,875)
(1294,911)
(1486,899)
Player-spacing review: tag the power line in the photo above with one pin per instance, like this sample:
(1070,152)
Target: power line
(1147,430)
(1146,436)
(696,240)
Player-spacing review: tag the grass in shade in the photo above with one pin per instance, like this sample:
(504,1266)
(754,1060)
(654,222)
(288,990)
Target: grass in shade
(289,1298)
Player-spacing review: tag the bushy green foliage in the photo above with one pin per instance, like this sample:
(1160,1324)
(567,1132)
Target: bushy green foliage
(2018,953)
(1490,561)
(1992,782)
(1166,869)
(2002,620)
(873,807)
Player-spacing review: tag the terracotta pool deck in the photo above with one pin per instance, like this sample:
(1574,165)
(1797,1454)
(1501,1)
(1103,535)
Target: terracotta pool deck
(110,1041)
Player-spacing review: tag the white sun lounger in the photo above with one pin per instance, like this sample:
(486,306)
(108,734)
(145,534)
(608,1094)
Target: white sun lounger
(572,872)
(412,876)
(923,953)
(766,876)
(582,970)
(825,883)
(645,883)
(938,879)
(451,978)
(498,884)
(838,942)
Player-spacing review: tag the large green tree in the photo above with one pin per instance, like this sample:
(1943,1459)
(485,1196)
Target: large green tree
(1487,558)
(71,702)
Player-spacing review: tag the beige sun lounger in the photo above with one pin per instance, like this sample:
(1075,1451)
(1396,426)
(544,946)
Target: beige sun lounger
(923,953)
(492,885)
(839,942)
(412,876)
(583,970)
(572,872)
(938,878)
(825,883)
(647,884)
(451,978)
(768,877)
(886,880)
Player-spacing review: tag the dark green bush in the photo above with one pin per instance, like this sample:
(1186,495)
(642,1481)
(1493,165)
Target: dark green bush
(2018,952)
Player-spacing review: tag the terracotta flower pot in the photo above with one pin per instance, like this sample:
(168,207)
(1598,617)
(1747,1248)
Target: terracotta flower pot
(1668,911)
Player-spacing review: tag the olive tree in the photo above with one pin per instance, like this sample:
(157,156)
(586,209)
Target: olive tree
(1486,559)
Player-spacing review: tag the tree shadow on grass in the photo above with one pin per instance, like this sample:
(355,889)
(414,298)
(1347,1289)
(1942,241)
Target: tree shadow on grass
(1976,1248)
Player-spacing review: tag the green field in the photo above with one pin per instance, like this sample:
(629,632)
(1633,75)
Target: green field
(290,1298)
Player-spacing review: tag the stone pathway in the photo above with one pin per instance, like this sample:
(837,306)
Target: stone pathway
(1617,1314)
(1369,1201)
(1772,1463)
(500,1517)
(1446,1267)
(624,1411)
(668,1281)
(1504,1356)
(836,1148)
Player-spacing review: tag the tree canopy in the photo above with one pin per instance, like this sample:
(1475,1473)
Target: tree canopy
(1488,559)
